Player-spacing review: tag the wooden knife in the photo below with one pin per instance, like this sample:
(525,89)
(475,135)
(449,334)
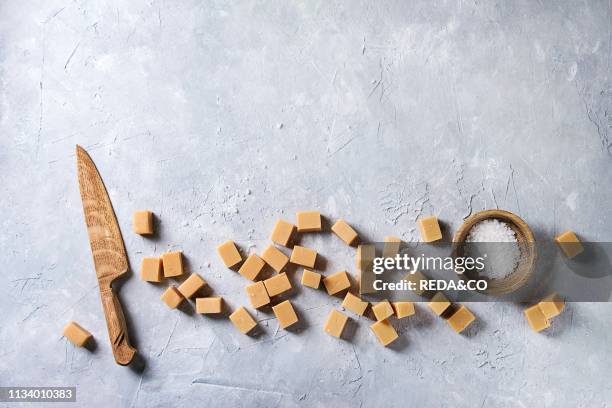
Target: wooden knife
(110,258)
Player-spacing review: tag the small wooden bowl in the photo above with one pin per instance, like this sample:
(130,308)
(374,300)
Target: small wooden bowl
(526,243)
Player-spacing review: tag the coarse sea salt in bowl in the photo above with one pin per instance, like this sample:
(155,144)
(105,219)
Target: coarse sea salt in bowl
(509,246)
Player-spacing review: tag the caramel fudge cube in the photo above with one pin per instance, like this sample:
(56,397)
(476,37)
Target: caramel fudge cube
(243,320)
(461,319)
(275,258)
(417,277)
(173,264)
(552,305)
(277,284)
(191,285)
(391,246)
(354,304)
(335,323)
(308,221)
(172,297)
(151,269)
(569,244)
(251,267)
(536,318)
(76,334)
(364,262)
(142,222)
(311,279)
(382,310)
(285,314)
(430,229)
(303,256)
(403,309)
(345,232)
(337,282)
(209,305)
(439,303)
(258,296)
(282,233)
(229,254)
(385,332)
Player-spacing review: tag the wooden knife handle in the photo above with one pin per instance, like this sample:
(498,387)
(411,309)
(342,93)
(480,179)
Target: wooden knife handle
(117,331)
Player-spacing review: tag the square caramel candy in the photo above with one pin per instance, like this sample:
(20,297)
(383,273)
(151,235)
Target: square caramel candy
(308,221)
(335,323)
(364,262)
(243,320)
(439,303)
(76,334)
(191,285)
(461,319)
(345,232)
(285,314)
(536,318)
(275,258)
(277,284)
(569,244)
(552,305)
(382,310)
(354,304)
(430,229)
(258,296)
(142,222)
(173,264)
(251,267)
(337,282)
(403,309)
(385,332)
(303,256)
(229,254)
(172,297)
(391,246)
(282,233)
(151,269)
(311,279)
(209,305)
(417,277)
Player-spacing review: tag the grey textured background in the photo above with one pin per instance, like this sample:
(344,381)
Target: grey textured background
(222,117)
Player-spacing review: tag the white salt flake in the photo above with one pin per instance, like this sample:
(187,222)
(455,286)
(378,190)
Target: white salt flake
(497,243)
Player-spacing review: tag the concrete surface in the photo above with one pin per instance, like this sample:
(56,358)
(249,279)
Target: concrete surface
(223,116)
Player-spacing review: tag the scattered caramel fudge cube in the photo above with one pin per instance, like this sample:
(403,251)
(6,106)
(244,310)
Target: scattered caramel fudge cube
(439,303)
(430,229)
(552,305)
(354,304)
(303,256)
(258,296)
(308,221)
(209,305)
(461,319)
(243,320)
(191,285)
(417,277)
(275,258)
(251,267)
(142,222)
(337,282)
(282,232)
(364,262)
(335,323)
(569,244)
(391,246)
(311,279)
(345,232)
(229,254)
(382,310)
(285,314)
(151,269)
(277,284)
(536,318)
(403,309)
(385,332)
(76,334)
(172,297)
(173,264)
